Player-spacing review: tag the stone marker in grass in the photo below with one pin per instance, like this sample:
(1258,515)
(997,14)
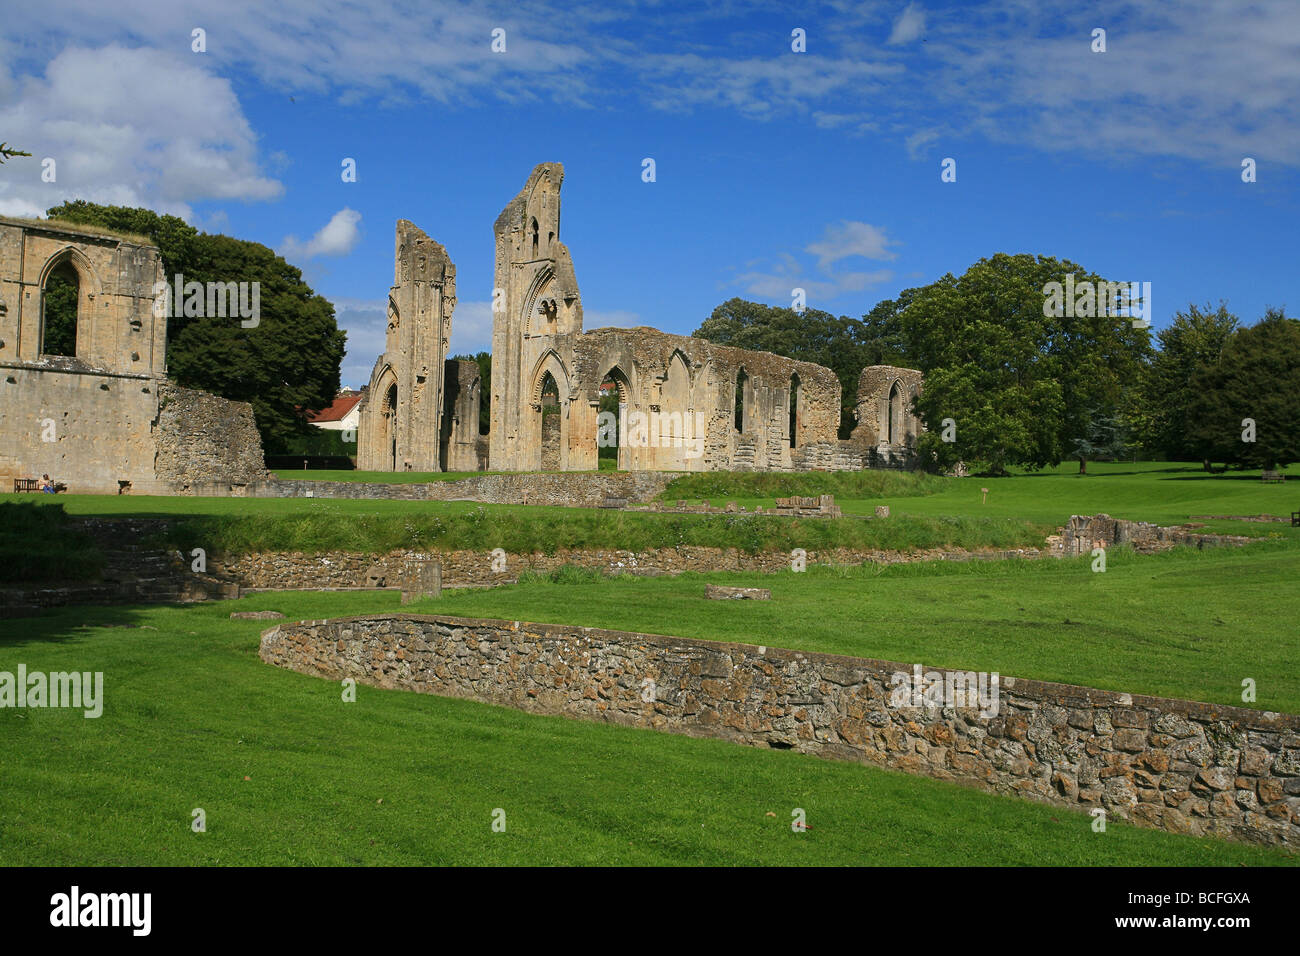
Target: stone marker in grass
(718,592)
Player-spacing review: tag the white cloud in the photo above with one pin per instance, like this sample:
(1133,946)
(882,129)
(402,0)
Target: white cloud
(134,127)
(918,143)
(776,283)
(336,238)
(908,27)
(844,239)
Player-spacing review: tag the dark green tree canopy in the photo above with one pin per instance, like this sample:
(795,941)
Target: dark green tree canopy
(1243,407)
(1021,386)
(285,365)
(1193,341)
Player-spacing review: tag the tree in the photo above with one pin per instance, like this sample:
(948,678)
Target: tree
(1243,407)
(7,153)
(839,343)
(1193,341)
(285,365)
(1020,384)
(1104,436)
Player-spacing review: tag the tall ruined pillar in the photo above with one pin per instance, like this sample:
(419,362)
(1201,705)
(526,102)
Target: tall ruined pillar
(535,305)
(401,419)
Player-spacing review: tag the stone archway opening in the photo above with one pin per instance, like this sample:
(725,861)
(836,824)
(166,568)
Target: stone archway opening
(614,394)
(390,425)
(895,414)
(551,429)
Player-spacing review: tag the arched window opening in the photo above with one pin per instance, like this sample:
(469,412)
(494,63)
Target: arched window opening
(59,301)
(895,410)
(741,380)
(794,410)
(534,238)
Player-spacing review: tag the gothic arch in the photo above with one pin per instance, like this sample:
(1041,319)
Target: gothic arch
(86,273)
(549,362)
(540,284)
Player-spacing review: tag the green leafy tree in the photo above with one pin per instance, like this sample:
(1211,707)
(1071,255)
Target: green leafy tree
(1160,414)
(1104,436)
(1256,378)
(6,152)
(1020,385)
(285,365)
(60,304)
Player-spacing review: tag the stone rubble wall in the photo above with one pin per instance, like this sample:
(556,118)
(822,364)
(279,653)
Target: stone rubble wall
(1176,765)
(1084,532)
(462,569)
(201,438)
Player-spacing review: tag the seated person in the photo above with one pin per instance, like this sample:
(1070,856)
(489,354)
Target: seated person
(47,486)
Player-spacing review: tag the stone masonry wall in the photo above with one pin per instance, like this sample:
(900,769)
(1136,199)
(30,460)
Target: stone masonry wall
(201,437)
(1177,765)
(461,569)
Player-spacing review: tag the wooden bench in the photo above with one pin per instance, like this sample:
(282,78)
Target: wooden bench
(1270,477)
(22,485)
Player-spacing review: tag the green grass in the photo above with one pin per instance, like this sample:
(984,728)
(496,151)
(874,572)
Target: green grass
(1185,623)
(765,487)
(289,774)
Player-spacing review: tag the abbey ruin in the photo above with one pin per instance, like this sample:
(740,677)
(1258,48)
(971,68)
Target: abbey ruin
(94,409)
(683,404)
(92,406)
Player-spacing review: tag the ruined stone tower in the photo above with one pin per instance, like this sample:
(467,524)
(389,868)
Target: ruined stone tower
(401,416)
(536,309)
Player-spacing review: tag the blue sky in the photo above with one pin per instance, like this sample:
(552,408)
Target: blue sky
(774,169)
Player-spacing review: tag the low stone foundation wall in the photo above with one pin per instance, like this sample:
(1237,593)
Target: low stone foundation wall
(573,489)
(1172,764)
(460,569)
(1084,532)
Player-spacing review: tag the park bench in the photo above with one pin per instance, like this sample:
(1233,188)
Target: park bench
(22,485)
(1269,477)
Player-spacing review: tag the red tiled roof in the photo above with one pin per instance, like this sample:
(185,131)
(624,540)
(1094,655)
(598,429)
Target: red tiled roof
(336,410)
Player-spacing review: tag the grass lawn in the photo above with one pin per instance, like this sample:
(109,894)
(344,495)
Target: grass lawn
(287,773)
(1185,623)
(927,512)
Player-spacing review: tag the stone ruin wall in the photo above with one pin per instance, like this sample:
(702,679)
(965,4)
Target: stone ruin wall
(1176,765)
(201,437)
(874,412)
(94,421)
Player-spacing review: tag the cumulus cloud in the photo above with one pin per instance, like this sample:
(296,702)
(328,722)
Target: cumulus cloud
(845,239)
(133,127)
(909,25)
(336,238)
